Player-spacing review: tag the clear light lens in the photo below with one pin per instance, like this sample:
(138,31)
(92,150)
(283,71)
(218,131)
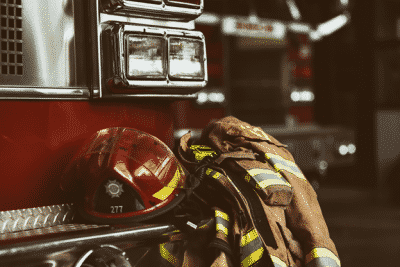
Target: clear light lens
(202,98)
(216,97)
(295,96)
(145,57)
(351,148)
(343,150)
(186,59)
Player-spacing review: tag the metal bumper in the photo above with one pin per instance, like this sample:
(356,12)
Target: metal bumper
(52,240)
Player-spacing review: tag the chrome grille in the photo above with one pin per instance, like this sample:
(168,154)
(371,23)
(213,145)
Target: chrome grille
(11,37)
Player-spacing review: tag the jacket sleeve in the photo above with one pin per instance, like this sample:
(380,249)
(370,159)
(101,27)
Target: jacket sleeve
(306,221)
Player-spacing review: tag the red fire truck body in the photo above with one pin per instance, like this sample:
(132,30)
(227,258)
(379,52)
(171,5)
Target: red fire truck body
(69,69)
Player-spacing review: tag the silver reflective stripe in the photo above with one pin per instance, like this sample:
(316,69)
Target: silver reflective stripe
(34,218)
(323,262)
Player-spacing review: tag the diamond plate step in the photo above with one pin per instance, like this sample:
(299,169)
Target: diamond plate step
(34,218)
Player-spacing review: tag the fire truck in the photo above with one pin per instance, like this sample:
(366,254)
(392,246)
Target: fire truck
(71,68)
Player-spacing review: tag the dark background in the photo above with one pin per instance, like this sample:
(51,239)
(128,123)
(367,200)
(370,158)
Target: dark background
(356,84)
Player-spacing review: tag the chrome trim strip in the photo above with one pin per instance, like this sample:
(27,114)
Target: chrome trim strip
(209,19)
(88,237)
(172,10)
(95,41)
(170,96)
(44,93)
(106,18)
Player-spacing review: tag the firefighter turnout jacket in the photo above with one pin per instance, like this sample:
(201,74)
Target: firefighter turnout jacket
(265,212)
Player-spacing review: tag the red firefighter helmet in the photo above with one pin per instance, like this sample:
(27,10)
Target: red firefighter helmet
(124,175)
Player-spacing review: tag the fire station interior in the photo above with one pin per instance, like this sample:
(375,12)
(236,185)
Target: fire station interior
(322,77)
(343,75)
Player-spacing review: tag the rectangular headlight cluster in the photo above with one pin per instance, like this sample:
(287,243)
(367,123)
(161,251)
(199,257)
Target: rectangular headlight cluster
(178,9)
(155,57)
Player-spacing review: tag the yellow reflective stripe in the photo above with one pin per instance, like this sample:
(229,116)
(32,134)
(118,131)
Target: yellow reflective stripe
(288,166)
(221,214)
(201,151)
(266,183)
(278,261)
(279,167)
(221,228)
(270,155)
(216,175)
(252,258)
(167,190)
(166,255)
(321,253)
(254,172)
(247,238)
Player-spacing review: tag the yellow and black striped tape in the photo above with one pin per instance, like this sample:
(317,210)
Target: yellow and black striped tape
(212,173)
(173,259)
(251,248)
(222,222)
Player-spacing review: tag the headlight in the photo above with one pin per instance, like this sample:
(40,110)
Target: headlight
(145,57)
(186,59)
(158,59)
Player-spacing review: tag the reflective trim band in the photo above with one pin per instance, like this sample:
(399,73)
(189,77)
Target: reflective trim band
(222,215)
(252,258)
(283,164)
(222,223)
(222,229)
(277,262)
(167,190)
(216,175)
(247,238)
(201,151)
(265,178)
(167,255)
(322,257)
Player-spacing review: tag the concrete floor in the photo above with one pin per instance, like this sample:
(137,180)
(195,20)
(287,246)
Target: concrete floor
(366,231)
